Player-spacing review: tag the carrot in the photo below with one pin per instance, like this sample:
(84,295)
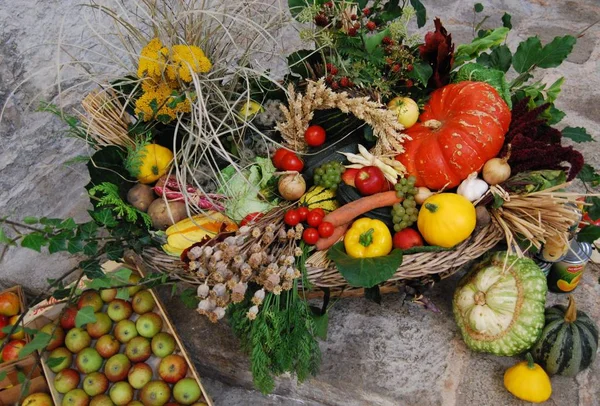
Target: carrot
(338,232)
(352,210)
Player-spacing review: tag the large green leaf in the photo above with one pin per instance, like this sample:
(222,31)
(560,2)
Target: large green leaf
(84,316)
(466,52)
(39,342)
(421,12)
(34,241)
(106,165)
(421,72)
(364,272)
(577,134)
(530,53)
(589,234)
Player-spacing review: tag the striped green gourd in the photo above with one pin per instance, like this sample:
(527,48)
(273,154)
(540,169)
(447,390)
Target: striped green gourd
(569,340)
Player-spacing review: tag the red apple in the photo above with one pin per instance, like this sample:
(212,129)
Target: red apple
(11,350)
(61,353)
(172,368)
(117,367)
(88,360)
(143,302)
(20,333)
(155,393)
(119,310)
(121,393)
(3,323)
(76,397)
(66,380)
(125,330)
(138,349)
(100,327)
(38,399)
(134,280)
(90,298)
(370,180)
(67,318)
(186,391)
(10,304)
(77,339)
(102,400)
(149,324)
(349,175)
(163,344)
(57,333)
(139,375)
(107,346)
(95,383)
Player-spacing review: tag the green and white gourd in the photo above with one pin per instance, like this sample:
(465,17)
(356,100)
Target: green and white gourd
(499,304)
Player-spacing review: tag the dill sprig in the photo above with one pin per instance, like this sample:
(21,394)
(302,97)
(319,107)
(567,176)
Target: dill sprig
(136,154)
(112,199)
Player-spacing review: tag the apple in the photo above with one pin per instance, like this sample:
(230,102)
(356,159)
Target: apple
(90,298)
(107,346)
(95,383)
(186,391)
(66,380)
(76,397)
(139,375)
(163,344)
(406,109)
(101,400)
(149,324)
(172,368)
(121,393)
(134,280)
(117,367)
(138,349)
(100,327)
(10,305)
(125,330)
(67,318)
(88,360)
(108,295)
(135,403)
(119,310)
(143,302)
(155,393)
(77,339)
(11,350)
(20,333)
(3,323)
(67,358)
(38,399)
(57,333)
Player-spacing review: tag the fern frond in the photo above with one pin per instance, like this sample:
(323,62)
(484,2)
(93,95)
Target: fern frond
(136,154)
(110,198)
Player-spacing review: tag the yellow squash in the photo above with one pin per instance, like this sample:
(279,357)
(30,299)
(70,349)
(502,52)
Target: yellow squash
(446,219)
(528,381)
(186,232)
(155,162)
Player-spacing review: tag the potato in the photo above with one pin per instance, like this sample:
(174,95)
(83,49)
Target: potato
(164,214)
(140,196)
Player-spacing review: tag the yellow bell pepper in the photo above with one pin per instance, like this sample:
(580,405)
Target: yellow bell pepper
(368,238)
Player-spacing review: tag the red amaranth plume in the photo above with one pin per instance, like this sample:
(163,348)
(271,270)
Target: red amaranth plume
(438,50)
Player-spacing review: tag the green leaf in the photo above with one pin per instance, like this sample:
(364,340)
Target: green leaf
(30,220)
(3,375)
(498,202)
(21,377)
(500,58)
(84,316)
(556,51)
(421,12)
(91,269)
(589,175)
(466,52)
(55,361)
(60,294)
(114,250)
(321,324)
(422,72)
(39,342)
(594,210)
(577,134)
(478,7)
(506,21)
(528,53)
(18,329)
(373,41)
(104,217)
(91,248)
(120,276)
(68,224)
(554,89)
(480,73)
(87,230)
(34,241)
(553,115)
(189,298)
(4,238)
(589,234)
(57,244)
(364,272)
(123,294)
(75,246)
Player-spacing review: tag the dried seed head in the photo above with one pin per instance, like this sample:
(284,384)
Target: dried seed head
(281,234)
(231,240)
(267,238)
(256,232)
(287,285)
(193,265)
(297,251)
(243,230)
(252,312)
(291,234)
(203,291)
(223,301)
(202,272)
(212,316)
(271,282)
(194,253)
(217,255)
(277,290)
(223,246)
(206,305)
(271,269)
(219,289)
(255,260)
(299,229)
(238,259)
(254,248)
(260,294)
(219,312)
(208,251)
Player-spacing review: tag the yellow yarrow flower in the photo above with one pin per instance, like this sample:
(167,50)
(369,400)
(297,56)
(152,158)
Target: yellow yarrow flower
(153,59)
(161,102)
(184,60)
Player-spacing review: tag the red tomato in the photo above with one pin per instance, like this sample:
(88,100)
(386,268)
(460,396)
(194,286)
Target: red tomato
(407,238)
(318,210)
(251,218)
(370,180)
(310,236)
(314,218)
(278,157)
(291,162)
(326,229)
(587,220)
(314,135)
(302,212)
(291,218)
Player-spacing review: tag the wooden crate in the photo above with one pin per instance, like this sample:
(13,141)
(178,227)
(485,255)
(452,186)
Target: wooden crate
(41,315)
(19,292)
(11,388)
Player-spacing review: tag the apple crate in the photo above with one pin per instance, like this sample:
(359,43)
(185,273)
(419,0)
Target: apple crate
(43,314)
(12,391)
(19,292)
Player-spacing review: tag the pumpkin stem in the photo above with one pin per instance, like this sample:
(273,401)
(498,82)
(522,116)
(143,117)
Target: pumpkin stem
(530,363)
(431,207)
(479,298)
(433,124)
(571,313)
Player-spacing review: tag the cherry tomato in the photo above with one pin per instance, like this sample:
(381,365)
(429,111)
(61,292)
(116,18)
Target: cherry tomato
(251,218)
(278,157)
(302,212)
(326,229)
(319,210)
(291,162)
(314,218)
(291,218)
(407,238)
(310,236)
(314,136)
(370,180)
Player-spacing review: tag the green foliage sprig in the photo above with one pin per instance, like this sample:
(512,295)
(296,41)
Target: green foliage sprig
(136,154)
(112,199)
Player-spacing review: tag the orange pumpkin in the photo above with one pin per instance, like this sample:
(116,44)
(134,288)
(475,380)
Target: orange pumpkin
(461,128)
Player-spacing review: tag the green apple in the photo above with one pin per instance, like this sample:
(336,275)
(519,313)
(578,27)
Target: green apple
(138,349)
(135,403)
(60,353)
(100,327)
(149,324)
(38,399)
(66,380)
(117,367)
(57,333)
(88,360)
(90,298)
(119,310)
(77,339)
(95,383)
(101,400)
(108,295)
(186,391)
(76,397)
(143,302)
(125,330)
(155,393)
(121,393)
(134,280)
(406,109)
(139,375)
(163,344)
(107,346)
(172,368)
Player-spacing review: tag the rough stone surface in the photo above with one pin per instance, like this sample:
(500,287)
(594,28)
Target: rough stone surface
(394,354)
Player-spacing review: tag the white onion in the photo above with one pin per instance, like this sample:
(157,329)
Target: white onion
(292,187)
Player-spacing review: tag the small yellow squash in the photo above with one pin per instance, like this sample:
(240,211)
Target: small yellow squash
(446,219)
(155,162)
(528,381)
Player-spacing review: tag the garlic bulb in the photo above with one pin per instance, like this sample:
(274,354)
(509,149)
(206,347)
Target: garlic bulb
(472,188)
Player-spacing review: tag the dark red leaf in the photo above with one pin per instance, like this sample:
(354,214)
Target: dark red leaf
(438,50)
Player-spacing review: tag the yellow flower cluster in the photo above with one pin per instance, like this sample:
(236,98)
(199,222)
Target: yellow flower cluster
(162,72)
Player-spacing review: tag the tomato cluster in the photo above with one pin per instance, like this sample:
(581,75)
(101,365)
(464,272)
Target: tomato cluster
(317,228)
(286,160)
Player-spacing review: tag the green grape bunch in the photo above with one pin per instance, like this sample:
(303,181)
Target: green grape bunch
(329,175)
(405,214)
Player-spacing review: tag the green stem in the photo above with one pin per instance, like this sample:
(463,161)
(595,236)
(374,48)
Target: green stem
(431,207)
(530,363)
(366,238)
